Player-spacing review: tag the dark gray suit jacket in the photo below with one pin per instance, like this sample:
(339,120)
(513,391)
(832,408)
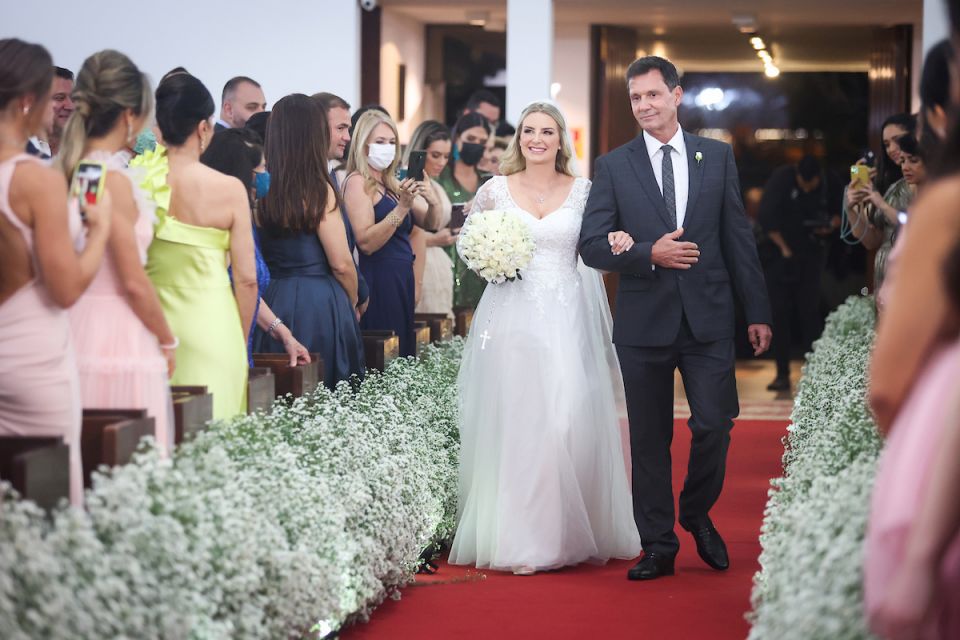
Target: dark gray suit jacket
(651,302)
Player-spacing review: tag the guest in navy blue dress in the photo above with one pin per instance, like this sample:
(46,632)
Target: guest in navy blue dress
(239,153)
(313,279)
(383,212)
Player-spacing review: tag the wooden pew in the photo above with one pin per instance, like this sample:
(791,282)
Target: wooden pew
(111,436)
(297,381)
(441,326)
(380,348)
(422,335)
(192,410)
(261,389)
(38,468)
(464,317)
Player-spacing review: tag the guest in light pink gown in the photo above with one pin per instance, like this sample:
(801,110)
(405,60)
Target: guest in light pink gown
(125,348)
(41,271)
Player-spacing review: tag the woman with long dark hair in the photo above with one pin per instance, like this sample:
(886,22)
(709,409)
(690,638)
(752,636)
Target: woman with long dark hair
(873,209)
(313,279)
(203,224)
(238,152)
(461,179)
(42,274)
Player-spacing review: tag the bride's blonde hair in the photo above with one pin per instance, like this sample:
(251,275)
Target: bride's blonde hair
(513,160)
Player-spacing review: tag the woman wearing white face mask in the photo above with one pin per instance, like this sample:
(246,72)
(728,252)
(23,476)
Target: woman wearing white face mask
(383,212)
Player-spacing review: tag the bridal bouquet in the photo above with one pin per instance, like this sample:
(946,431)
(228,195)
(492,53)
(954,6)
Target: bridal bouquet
(496,245)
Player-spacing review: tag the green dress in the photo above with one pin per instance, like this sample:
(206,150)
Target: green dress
(467,285)
(188,267)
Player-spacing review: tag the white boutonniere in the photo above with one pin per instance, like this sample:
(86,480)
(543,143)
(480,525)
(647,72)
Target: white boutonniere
(698,157)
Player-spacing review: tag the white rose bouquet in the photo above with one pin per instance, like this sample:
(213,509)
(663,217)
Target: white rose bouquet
(496,245)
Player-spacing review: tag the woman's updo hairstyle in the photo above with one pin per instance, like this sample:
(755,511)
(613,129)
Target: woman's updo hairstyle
(182,103)
(107,84)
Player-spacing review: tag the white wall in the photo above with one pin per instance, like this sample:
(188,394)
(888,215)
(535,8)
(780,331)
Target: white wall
(286,45)
(571,68)
(403,41)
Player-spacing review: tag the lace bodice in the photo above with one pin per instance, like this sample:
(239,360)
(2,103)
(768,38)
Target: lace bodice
(553,269)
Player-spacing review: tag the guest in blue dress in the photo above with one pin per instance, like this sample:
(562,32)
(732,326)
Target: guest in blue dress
(313,279)
(239,153)
(383,212)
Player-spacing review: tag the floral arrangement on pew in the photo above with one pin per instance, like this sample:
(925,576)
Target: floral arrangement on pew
(497,245)
(809,586)
(281,524)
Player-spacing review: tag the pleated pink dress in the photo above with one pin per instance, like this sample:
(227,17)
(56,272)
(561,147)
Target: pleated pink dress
(121,365)
(902,479)
(39,385)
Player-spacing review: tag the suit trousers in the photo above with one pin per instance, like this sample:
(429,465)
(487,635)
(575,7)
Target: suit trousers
(708,373)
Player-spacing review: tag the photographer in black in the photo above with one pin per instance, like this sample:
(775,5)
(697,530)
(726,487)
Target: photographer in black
(799,211)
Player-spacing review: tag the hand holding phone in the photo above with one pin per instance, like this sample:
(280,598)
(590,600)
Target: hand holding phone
(89,181)
(859,176)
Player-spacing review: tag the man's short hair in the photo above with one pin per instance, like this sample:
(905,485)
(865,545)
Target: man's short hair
(646,64)
(480,96)
(808,167)
(232,85)
(66,74)
(330,101)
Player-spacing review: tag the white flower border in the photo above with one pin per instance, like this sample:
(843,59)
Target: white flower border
(267,526)
(809,585)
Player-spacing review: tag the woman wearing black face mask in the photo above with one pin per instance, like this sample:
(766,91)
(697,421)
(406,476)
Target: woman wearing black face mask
(461,179)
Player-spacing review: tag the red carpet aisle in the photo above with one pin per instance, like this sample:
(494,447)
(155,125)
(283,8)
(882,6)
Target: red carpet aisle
(599,602)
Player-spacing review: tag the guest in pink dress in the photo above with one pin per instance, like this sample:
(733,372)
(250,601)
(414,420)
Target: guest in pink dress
(41,271)
(125,348)
(912,553)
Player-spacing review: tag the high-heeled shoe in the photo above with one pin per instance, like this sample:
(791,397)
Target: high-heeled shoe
(524,571)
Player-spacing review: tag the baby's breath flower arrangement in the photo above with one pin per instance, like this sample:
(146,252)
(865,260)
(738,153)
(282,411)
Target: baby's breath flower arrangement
(282,524)
(809,585)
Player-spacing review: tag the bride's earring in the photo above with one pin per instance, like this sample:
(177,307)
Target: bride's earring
(129,132)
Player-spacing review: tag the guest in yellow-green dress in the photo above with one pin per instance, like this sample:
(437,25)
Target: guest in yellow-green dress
(203,218)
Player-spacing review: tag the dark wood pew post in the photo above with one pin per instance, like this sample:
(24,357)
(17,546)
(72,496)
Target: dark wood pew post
(261,389)
(441,326)
(380,348)
(38,468)
(297,381)
(422,335)
(192,410)
(111,436)
(464,317)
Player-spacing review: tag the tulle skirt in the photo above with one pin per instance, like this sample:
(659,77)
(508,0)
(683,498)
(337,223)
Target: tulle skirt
(902,479)
(120,362)
(542,478)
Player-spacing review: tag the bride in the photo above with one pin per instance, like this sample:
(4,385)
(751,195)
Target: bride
(542,477)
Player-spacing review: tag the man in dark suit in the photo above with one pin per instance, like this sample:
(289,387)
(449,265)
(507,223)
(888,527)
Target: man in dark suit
(675,197)
(241,98)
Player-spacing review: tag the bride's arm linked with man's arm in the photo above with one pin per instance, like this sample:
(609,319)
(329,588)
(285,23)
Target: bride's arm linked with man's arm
(605,245)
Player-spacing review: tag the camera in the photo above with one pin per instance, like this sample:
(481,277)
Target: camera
(368,5)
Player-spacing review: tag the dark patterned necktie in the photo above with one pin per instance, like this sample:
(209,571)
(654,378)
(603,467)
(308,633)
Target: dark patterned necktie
(669,191)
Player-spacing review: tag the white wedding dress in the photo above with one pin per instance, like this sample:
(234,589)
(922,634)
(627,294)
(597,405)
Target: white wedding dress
(542,476)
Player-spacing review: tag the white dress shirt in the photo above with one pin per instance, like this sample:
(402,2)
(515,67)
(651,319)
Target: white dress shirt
(681,172)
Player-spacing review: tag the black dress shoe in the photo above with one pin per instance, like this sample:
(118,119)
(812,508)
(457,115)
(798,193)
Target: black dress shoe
(780,383)
(710,546)
(651,566)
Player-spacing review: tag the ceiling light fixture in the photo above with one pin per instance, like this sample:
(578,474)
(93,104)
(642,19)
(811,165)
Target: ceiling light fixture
(478,18)
(757,43)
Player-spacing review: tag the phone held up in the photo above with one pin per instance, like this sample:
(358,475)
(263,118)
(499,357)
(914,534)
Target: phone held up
(418,160)
(88,182)
(859,175)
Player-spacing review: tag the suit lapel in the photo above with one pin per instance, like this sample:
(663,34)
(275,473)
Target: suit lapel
(695,170)
(644,170)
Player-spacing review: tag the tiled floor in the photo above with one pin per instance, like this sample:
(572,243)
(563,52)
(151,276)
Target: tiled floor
(756,403)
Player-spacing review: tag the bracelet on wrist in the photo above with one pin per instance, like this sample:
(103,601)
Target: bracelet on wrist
(171,346)
(394,219)
(273,327)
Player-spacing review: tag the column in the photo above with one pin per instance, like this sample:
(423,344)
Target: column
(936,23)
(529,54)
